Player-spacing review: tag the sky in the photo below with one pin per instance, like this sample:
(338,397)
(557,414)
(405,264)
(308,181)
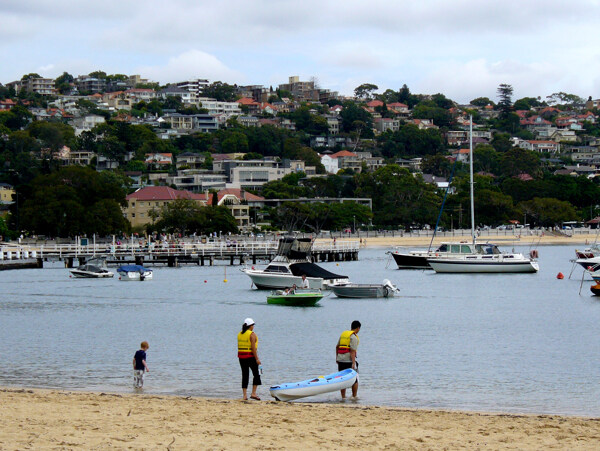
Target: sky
(463,49)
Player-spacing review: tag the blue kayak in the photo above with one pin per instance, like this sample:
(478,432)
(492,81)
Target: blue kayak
(315,386)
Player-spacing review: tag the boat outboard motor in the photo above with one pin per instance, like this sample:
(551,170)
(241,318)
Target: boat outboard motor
(389,286)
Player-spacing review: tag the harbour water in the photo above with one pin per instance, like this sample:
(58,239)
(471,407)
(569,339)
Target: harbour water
(513,343)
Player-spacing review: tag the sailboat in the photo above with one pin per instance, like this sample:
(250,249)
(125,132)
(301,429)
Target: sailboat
(486,258)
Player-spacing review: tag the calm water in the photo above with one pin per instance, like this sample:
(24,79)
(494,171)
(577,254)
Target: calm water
(515,343)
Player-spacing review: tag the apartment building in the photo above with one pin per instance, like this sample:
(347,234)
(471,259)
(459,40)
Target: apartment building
(303,91)
(216,107)
(197,122)
(197,181)
(42,86)
(85,83)
(195,85)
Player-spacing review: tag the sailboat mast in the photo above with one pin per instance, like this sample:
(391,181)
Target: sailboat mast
(471,175)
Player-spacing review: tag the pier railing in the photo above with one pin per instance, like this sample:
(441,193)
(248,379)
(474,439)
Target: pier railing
(163,250)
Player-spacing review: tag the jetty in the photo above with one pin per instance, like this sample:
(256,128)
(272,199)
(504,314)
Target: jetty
(169,254)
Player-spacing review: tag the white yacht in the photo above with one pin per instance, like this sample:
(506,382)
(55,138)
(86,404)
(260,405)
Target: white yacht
(287,268)
(486,258)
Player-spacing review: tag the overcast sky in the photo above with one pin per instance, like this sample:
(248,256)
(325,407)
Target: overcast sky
(461,48)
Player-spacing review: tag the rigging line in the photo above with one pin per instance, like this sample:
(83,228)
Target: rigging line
(442,207)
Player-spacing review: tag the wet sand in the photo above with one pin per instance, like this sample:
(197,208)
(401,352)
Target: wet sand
(50,419)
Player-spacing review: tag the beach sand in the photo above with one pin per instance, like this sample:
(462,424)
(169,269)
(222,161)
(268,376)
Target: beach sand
(504,241)
(49,419)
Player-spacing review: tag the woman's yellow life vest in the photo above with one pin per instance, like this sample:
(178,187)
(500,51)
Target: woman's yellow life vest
(344,346)
(244,345)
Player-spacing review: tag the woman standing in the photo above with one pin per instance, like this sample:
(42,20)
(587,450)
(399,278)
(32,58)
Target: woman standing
(248,356)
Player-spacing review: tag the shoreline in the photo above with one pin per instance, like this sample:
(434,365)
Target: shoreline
(44,418)
(580,240)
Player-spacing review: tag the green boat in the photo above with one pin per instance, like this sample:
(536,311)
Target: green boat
(297,297)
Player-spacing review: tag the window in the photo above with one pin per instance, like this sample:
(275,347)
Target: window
(133,215)
(133,204)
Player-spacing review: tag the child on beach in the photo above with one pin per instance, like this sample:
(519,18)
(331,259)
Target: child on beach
(139,365)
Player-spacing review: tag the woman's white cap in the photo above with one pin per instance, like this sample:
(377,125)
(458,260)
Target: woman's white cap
(248,322)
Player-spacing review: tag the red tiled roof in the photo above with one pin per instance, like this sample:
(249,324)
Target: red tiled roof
(163,193)
(374,103)
(343,153)
(246,101)
(237,192)
(397,105)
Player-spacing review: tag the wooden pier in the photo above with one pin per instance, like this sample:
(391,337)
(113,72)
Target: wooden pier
(173,255)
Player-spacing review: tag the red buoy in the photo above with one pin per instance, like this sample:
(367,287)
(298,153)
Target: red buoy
(560,275)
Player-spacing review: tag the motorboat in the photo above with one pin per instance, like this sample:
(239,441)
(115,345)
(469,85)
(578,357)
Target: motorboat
(417,259)
(134,272)
(316,386)
(486,258)
(95,268)
(364,290)
(295,297)
(288,267)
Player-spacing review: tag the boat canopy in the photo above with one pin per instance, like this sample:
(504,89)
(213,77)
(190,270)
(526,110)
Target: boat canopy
(132,268)
(312,270)
(294,248)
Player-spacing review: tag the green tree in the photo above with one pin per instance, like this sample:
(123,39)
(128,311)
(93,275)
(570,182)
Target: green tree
(221,91)
(519,161)
(74,201)
(398,196)
(365,91)
(63,83)
(547,212)
(505,92)
(481,102)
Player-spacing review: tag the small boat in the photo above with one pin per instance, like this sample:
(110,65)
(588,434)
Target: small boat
(95,268)
(291,262)
(365,290)
(316,386)
(296,297)
(134,272)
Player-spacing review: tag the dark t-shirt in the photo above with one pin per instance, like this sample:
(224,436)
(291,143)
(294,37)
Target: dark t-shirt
(139,356)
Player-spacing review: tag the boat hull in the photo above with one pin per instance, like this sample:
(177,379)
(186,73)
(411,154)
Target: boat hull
(274,281)
(134,276)
(295,300)
(316,386)
(362,291)
(89,275)
(410,261)
(478,266)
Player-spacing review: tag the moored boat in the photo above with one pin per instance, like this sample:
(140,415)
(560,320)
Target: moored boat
(364,290)
(288,267)
(95,268)
(295,297)
(316,386)
(134,272)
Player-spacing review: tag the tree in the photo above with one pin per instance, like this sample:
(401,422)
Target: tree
(562,98)
(223,92)
(398,196)
(365,91)
(519,161)
(353,113)
(429,110)
(481,102)
(527,103)
(486,159)
(74,201)
(547,212)
(505,92)
(30,76)
(437,165)
(63,83)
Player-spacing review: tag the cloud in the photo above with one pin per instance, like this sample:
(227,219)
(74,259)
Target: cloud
(191,64)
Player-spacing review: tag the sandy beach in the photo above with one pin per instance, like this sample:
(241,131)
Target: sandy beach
(48,419)
(504,240)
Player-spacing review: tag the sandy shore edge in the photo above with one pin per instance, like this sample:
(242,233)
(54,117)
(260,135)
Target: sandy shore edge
(55,419)
(504,241)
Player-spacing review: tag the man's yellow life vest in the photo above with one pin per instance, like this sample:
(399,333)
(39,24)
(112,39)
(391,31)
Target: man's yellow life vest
(344,346)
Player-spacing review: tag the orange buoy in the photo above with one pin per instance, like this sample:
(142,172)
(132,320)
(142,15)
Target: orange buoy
(560,275)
